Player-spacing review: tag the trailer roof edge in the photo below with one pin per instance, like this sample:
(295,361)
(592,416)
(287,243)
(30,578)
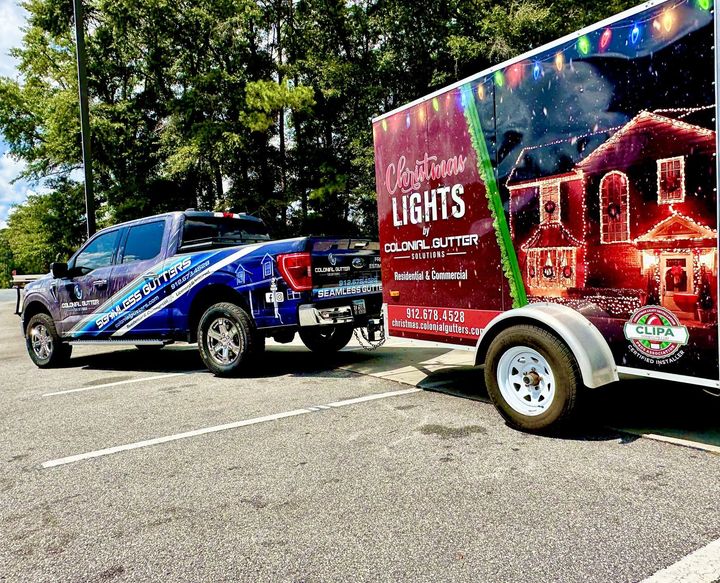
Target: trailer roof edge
(524,56)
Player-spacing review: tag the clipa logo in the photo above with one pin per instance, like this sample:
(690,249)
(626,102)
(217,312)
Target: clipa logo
(655,333)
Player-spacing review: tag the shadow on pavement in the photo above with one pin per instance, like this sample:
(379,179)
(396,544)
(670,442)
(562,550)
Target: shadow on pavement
(460,381)
(676,410)
(274,363)
(638,406)
(132,359)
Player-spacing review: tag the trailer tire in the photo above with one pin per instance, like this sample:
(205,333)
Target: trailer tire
(326,339)
(43,342)
(227,339)
(532,378)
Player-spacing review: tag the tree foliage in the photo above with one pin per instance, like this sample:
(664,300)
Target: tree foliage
(47,227)
(6,260)
(259,106)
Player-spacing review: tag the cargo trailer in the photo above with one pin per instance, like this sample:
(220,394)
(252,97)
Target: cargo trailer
(557,214)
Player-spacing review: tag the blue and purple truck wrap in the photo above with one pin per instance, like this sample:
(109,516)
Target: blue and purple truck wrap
(212,278)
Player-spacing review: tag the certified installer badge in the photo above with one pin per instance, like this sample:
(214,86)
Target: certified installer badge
(656,334)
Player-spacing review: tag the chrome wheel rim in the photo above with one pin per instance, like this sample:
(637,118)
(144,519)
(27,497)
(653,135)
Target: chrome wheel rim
(41,341)
(526,381)
(224,341)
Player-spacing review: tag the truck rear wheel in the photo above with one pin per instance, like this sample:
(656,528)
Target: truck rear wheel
(43,343)
(532,378)
(227,339)
(326,339)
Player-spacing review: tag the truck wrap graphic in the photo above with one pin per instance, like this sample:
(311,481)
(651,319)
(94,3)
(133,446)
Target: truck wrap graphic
(183,283)
(154,290)
(168,287)
(215,278)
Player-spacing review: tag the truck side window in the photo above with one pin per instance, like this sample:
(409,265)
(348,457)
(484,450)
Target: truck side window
(98,253)
(144,242)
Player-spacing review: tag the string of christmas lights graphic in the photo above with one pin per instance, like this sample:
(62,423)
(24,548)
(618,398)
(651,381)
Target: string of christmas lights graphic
(621,38)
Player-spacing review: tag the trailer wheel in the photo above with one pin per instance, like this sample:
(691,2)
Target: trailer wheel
(326,339)
(532,378)
(43,342)
(227,339)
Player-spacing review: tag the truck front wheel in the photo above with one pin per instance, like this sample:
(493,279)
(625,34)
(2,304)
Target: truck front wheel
(532,378)
(227,339)
(43,342)
(326,339)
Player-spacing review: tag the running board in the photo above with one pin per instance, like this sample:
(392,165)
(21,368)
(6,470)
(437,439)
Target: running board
(122,342)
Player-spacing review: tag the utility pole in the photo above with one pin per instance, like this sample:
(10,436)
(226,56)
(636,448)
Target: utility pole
(281,114)
(84,117)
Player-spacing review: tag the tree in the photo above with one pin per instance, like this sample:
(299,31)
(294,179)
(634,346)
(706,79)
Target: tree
(46,226)
(180,98)
(6,260)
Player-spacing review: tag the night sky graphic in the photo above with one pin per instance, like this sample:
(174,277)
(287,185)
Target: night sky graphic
(603,89)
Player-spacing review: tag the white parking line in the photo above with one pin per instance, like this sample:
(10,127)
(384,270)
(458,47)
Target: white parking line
(669,439)
(158,440)
(684,442)
(117,383)
(702,566)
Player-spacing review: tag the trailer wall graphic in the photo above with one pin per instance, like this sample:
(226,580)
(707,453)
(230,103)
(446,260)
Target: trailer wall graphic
(583,174)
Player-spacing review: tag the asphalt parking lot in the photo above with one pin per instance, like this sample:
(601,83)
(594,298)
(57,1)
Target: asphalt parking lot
(127,467)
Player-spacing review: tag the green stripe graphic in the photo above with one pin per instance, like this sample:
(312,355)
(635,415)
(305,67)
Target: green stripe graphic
(511,267)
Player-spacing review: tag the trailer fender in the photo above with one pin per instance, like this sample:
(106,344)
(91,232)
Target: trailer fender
(591,351)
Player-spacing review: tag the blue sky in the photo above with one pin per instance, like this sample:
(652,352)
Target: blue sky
(12,20)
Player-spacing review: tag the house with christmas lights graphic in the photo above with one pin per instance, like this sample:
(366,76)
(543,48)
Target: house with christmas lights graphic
(620,218)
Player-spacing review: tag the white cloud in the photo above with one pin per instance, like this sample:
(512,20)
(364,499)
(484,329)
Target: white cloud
(12,21)
(11,194)
(13,18)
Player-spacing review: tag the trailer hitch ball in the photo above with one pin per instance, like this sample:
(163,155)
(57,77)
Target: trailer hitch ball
(375,330)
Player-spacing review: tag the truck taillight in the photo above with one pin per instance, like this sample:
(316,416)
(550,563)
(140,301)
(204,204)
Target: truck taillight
(296,269)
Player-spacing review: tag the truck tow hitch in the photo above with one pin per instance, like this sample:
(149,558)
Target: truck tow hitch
(371,337)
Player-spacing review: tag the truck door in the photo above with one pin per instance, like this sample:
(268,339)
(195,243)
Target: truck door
(87,288)
(139,265)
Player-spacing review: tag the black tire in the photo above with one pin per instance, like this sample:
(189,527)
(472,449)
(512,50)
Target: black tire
(43,343)
(561,363)
(227,339)
(326,339)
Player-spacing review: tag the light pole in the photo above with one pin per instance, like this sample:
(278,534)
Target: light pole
(84,117)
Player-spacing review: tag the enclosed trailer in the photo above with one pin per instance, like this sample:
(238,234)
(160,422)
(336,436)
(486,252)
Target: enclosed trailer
(558,213)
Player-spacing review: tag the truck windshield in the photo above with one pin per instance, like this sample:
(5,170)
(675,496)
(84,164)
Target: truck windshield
(203,232)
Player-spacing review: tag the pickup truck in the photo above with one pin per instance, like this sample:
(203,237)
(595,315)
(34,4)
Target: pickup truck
(212,278)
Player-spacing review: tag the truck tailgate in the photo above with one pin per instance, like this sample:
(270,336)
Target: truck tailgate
(343,268)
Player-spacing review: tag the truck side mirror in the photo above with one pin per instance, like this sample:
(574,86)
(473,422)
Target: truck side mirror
(59,270)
